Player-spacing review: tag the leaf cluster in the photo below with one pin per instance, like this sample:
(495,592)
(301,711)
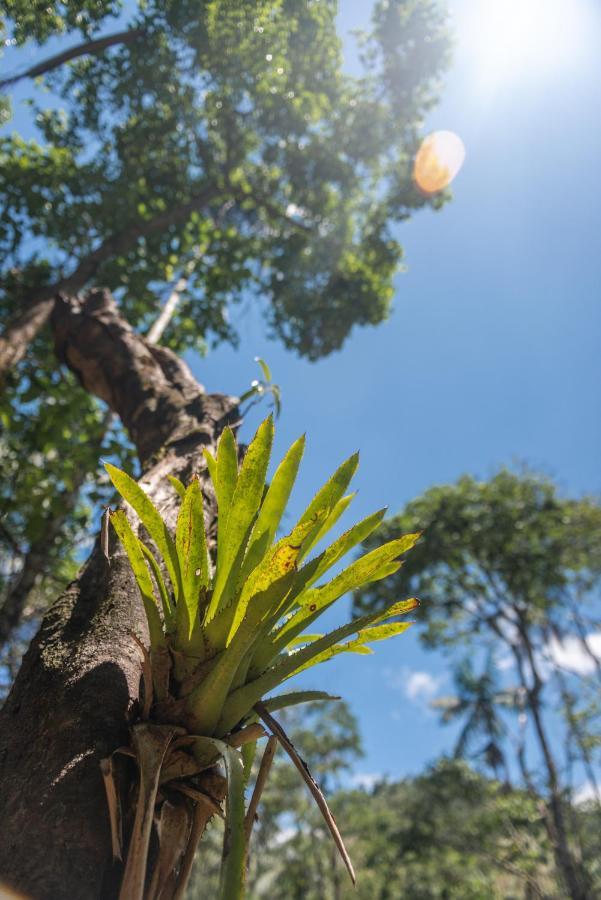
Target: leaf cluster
(306,167)
(511,541)
(227,631)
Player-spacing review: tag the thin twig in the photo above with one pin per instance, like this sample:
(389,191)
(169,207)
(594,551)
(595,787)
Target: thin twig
(264,768)
(314,788)
(159,325)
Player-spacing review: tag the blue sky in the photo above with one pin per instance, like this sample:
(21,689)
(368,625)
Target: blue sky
(491,354)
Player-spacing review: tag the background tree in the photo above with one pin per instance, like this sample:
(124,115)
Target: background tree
(215,147)
(477,701)
(508,566)
(448,833)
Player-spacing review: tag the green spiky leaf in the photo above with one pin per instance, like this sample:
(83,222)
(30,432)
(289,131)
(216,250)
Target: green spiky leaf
(178,485)
(294,698)
(168,611)
(190,542)
(331,492)
(150,517)
(137,561)
(274,504)
(242,700)
(244,505)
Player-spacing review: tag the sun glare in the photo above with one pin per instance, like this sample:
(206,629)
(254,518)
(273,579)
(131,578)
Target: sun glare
(438,161)
(519,37)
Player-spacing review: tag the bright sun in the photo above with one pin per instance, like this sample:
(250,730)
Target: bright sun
(507,38)
(502,42)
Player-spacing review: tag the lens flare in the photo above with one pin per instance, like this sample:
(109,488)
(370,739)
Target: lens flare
(508,41)
(438,161)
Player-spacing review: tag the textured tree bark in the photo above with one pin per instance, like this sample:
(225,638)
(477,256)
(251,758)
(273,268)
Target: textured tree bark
(77,688)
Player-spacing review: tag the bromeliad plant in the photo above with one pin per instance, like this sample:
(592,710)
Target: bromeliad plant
(225,630)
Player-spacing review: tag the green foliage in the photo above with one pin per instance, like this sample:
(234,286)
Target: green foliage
(289,172)
(39,20)
(511,538)
(451,834)
(237,636)
(226,644)
(224,144)
(446,834)
(510,570)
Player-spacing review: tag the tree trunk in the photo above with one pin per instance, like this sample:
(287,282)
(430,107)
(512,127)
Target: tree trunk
(566,863)
(22,330)
(76,691)
(37,560)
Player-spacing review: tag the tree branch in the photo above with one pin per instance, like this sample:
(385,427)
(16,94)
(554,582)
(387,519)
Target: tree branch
(159,326)
(149,387)
(89,47)
(20,333)
(263,774)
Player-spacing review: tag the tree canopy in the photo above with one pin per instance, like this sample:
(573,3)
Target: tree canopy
(509,573)
(227,139)
(449,832)
(217,153)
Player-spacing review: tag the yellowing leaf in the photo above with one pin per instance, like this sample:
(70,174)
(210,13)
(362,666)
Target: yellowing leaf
(274,504)
(279,562)
(331,492)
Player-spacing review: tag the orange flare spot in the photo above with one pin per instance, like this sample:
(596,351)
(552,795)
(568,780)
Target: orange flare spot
(438,161)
